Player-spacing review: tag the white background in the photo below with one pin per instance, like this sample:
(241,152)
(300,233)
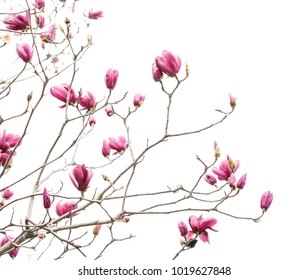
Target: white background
(256,50)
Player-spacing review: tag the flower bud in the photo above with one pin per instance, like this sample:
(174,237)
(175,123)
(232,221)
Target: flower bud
(210,179)
(242,182)
(109,111)
(126,219)
(95,15)
(24,52)
(92,121)
(111,78)
(156,73)
(41,235)
(232,101)
(183,228)
(168,63)
(138,100)
(97,229)
(7,194)
(266,200)
(46,199)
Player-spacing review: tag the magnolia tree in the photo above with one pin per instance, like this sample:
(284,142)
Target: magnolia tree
(50,39)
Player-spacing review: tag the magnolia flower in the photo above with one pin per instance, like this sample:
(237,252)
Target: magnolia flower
(17,22)
(183,228)
(40,21)
(62,91)
(210,179)
(111,78)
(119,145)
(224,171)
(87,101)
(266,200)
(168,63)
(7,141)
(138,100)
(12,253)
(92,120)
(232,181)
(50,35)
(64,207)
(199,227)
(7,194)
(105,149)
(24,51)
(81,177)
(109,111)
(39,4)
(46,199)
(242,182)
(95,14)
(156,73)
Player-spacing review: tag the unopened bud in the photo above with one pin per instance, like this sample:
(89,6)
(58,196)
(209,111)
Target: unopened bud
(2,202)
(61,28)
(41,235)
(231,163)
(187,70)
(126,219)
(89,39)
(217,153)
(29,97)
(96,229)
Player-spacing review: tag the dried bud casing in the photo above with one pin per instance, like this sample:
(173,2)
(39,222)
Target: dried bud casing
(231,163)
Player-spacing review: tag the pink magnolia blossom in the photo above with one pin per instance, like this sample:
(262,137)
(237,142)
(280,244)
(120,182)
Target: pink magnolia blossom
(232,101)
(232,181)
(199,227)
(95,14)
(266,200)
(17,22)
(138,99)
(156,73)
(210,179)
(64,207)
(62,91)
(7,194)
(111,78)
(46,199)
(7,141)
(50,35)
(40,21)
(119,145)
(87,101)
(182,228)
(242,182)
(92,120)
(39,4)
(24,51)
(168,63)
(109,111)
(224,171)
(106,149)
(81,177)
(12,253)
